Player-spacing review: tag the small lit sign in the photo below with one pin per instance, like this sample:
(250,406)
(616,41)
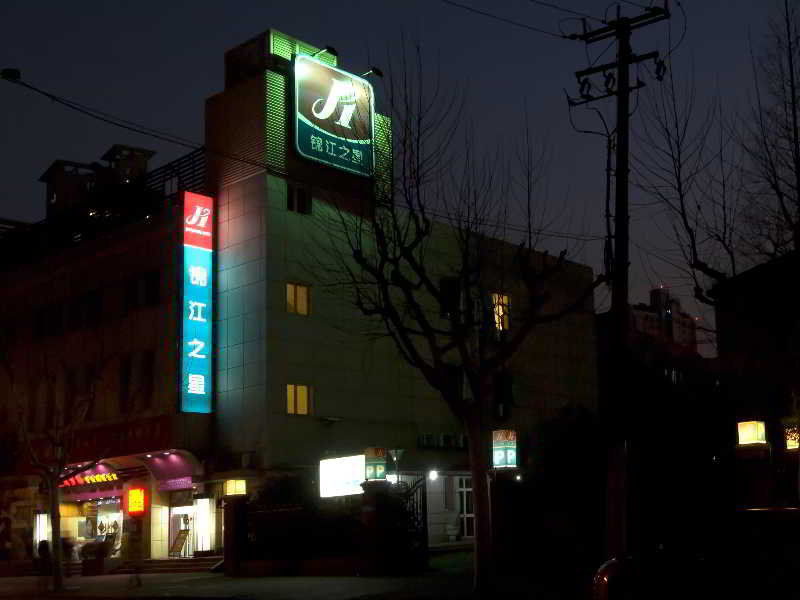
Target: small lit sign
(341,476)
(89,479)
(334,112)
(235,487)
(375,463)
(792,435)
(136,501)
(504,448)
(752,432)
(198,317)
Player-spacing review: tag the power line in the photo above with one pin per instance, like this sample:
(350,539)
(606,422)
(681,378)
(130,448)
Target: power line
(567,10)
(174,139)
(504,20)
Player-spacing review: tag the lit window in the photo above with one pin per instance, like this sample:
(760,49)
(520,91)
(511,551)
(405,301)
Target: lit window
(752,432)
(297,399)
(235,487)
(298,299)
(500,309)
(792,434)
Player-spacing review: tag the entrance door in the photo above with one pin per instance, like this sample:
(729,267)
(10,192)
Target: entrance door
(159,531)
(181,527)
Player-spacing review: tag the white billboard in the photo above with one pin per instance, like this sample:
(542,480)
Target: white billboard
(341,476)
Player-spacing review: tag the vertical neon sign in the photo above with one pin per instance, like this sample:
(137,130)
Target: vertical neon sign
(198,316)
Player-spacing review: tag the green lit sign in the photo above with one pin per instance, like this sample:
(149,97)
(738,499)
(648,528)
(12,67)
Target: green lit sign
(504,448)
(334,112)
(375,463)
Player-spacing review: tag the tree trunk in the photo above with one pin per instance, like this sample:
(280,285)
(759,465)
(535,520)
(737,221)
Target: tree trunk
(482,504)
(55,524)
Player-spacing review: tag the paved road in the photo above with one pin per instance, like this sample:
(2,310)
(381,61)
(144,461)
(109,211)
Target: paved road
(212,585)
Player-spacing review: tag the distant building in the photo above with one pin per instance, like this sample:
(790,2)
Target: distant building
(665,323)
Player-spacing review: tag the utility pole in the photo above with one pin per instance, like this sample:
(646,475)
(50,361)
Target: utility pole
(619,85)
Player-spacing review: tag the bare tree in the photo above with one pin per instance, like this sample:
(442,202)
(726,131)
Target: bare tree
(447,265)
(688,161)
(49,449)
(770,139)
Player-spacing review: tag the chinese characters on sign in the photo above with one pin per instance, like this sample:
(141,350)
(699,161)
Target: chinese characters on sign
(136,501)
(333,116)
(196,359)
(504,448)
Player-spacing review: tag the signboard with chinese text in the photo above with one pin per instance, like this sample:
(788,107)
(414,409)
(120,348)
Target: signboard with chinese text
(375,463)
(136,501)
(504,448)
(197,303)
(334,112)
(89,479)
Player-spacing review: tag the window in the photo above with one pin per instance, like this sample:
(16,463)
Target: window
(466,512)
(298,299)
(235,487)
(500,309)
(752,432)
(297,399)
(298,199)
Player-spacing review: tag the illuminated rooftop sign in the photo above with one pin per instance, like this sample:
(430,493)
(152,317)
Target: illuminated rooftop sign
(334,112)
(196,347)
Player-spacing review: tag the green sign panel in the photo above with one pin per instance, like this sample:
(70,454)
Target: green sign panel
(504,448)
(334,113)
(375,463)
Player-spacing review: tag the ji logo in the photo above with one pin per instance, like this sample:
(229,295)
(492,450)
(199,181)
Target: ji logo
(200,216)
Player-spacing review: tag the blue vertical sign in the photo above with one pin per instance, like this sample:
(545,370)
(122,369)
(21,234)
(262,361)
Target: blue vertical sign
(197,304)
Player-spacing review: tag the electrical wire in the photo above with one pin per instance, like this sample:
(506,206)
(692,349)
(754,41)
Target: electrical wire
(174,139)
(503,19)
(567,10)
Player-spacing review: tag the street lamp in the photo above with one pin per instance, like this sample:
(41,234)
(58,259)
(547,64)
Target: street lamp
(396,454)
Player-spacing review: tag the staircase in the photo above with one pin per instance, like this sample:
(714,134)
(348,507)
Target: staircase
(171,565)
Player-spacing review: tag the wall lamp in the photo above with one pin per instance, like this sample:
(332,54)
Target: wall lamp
(373,71)
(329,49)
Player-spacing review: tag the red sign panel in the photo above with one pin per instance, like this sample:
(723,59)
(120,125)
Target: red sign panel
(136,501)
(197,221)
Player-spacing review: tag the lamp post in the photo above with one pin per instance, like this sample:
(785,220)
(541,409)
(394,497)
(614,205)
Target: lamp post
(396,454)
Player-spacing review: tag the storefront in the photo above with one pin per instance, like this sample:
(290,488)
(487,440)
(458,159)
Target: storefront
(148,506)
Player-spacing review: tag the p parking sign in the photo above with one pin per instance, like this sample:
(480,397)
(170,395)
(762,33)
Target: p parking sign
(334,113)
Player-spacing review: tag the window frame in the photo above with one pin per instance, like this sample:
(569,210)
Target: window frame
(501,311)
(291,308)
(293,409)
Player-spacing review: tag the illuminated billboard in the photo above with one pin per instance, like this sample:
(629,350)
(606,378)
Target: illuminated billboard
(198,317)
(334,113)
(341,476)
(136,501)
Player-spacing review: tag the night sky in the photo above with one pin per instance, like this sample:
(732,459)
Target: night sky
(155,63)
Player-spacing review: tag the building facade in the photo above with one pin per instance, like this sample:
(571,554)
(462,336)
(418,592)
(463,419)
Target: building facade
(216,355)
